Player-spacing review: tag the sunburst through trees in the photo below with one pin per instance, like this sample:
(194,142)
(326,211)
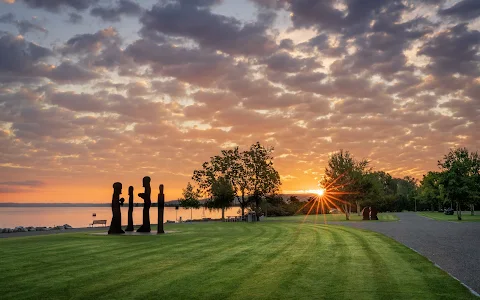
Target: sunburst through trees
(341,187)
(327,198)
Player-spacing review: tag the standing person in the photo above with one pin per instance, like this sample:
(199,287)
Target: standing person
(116,225)
(146,206)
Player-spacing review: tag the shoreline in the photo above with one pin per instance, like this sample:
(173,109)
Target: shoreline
(86,229)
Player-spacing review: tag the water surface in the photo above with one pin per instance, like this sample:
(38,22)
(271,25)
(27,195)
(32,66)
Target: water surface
(82,216)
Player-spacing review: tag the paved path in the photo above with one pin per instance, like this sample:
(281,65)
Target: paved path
(454,246)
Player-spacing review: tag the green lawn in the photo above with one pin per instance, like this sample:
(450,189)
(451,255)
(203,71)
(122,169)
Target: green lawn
(466,217)
(266,260)
(319,219)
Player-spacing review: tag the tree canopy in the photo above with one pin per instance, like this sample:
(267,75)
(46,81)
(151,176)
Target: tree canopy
(344,176)
(190,198)
(460,177)
(223,195)
(251,174)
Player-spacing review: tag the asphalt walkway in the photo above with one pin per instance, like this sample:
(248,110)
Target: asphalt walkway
(454,246)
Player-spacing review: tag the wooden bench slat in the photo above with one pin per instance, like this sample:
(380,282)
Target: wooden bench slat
(104,222)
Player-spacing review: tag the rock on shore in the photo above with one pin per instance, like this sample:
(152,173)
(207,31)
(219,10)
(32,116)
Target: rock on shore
(31,228)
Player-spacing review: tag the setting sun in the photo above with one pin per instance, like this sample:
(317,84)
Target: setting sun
(320,192)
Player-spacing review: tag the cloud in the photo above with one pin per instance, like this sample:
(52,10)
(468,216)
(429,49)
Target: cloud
(454,50)
(27,183)
(91,43)
(195,66)
(55,6)
(20,58)
(23,26)
(464,10)
(113,13)
(79,102)
(283,62)
(67,72)
(160,96)
(74,18)
(209,30)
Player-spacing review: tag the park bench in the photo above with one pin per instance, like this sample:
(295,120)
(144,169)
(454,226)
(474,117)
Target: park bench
(99,222)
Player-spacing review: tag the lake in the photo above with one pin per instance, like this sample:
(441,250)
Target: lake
(82,216)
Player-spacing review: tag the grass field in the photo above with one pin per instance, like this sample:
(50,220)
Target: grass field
(266,260)
(466,217)
(319,219)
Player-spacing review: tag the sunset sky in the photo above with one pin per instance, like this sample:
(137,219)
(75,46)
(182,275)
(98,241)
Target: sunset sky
(94,91)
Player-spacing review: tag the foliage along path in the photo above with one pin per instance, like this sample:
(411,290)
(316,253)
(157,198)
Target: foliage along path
(267,260)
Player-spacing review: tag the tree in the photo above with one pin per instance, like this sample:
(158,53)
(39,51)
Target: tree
(430,191)
(371,189)
(406,189)
(222,195)
(250,173)
(190,199)
(262,178)
(293,199)
(228,165)
(343,176)
(460,177)
(384,192)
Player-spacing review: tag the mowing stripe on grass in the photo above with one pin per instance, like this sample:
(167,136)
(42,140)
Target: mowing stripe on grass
(266,260)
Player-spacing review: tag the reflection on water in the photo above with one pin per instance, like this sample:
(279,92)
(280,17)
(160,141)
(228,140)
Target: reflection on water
(82,216)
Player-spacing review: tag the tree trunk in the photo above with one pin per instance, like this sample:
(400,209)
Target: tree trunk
(257,208)
(347,216)
(191,214)
(472,209)
(358,208)
(459,212)
(242,205)
(223,214)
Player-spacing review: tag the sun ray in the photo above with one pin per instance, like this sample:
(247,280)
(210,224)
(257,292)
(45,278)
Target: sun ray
(316,215)
(335,180)
(343,193)
(308,213)
(333,203)
(302,207)
(338,199)
(326,198)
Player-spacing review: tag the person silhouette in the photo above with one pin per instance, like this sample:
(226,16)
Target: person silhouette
(146,196)
(116,224)
(130,209)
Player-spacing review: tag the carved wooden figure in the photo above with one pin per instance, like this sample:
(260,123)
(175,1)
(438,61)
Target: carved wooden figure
(146,196)
(130,209)
(161,208)
(116,225)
